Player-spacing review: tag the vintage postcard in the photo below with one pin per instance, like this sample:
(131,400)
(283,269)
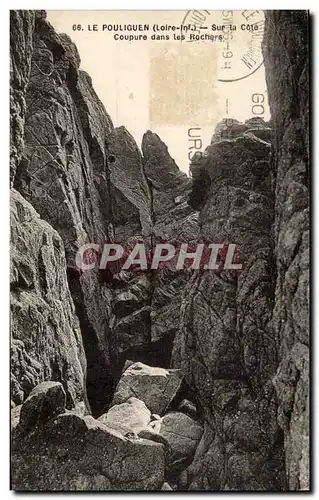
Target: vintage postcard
(159,176)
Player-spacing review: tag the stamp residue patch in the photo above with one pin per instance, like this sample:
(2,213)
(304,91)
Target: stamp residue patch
(182,80)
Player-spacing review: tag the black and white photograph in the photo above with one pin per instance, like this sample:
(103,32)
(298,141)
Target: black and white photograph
(159,250)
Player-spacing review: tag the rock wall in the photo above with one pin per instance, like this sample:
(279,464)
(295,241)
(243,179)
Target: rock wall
(255,373)
(46,340)
(21,33)
(225,345)
(61,171)
(92,184)
(286,46)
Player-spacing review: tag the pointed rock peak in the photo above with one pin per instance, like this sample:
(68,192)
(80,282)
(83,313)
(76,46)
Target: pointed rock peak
(121,137)
(152,143)
(123,130)
(159,167)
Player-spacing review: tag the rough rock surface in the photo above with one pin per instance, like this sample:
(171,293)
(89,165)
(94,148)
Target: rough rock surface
(239,338)
(225,346)
(175,222)
(131,199)
(131,416)
(46,340)
(182,434)
(157,387)
(61,172)
(145,307)
(21,32)
(70,452)
(287,74)
(91,183)
(45,401)
(163,175)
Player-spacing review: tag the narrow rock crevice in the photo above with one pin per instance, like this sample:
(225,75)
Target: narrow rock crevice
(98,380)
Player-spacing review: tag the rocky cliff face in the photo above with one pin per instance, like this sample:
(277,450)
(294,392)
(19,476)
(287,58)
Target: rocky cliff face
(225,345)
(46,340)
(195,379)
(21,34)
(62,172)
(288,83)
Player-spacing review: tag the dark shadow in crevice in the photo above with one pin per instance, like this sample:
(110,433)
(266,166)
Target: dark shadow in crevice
(98,381)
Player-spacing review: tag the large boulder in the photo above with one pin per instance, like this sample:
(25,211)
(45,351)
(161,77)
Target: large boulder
(182,434)
(131,416)
(46,401)
(156,387)
(69,452)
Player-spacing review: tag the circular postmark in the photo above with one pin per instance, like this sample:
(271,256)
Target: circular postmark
(237,36)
